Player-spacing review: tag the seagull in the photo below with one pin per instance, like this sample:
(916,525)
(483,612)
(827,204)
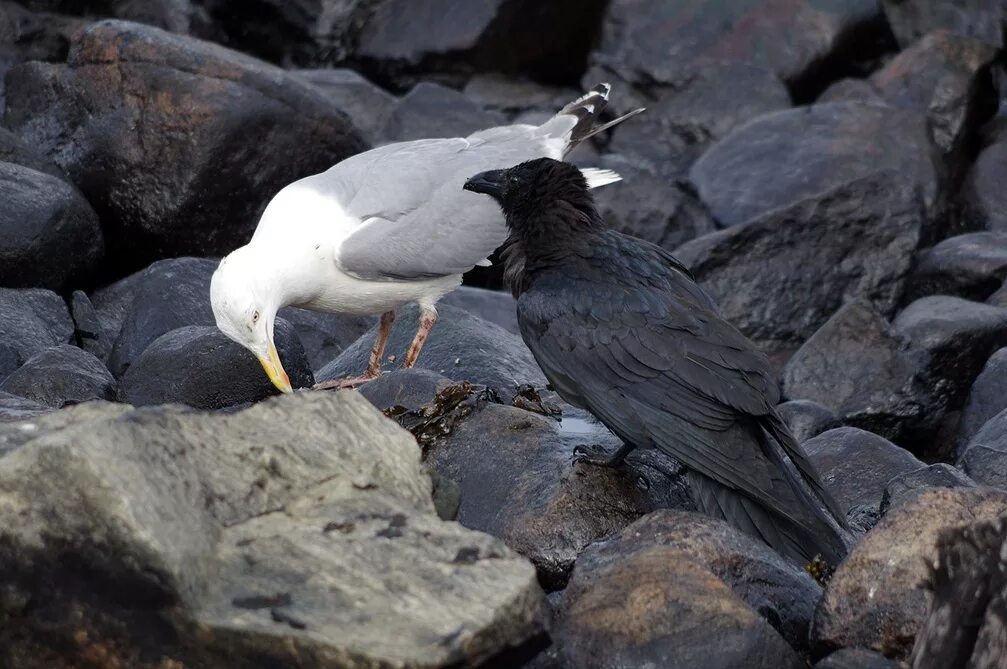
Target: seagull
(621,329)
(382,229)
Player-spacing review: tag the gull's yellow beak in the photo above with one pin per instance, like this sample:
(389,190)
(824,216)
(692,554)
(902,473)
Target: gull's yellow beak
(274,369)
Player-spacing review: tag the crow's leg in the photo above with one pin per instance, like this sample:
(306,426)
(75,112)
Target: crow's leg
(428,316)
(373,370)
(600,456)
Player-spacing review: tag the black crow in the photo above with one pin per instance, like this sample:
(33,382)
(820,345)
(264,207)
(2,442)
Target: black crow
(621,329)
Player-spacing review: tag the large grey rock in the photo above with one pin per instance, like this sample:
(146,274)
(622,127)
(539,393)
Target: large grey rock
(432,110)
(14,408)
(911,20)
(856,466)
(909,485)
(277,536)
(173,140)
(972,266)
(495,306)
(856,658)
(873,600)
(200,367)
(88,330)
(807,419)
(180,16)
(49,235)
(986,398)
(794,283)
(32,320)
(868,376)
(984,457)
(62,375)
(784,595)
(368,105)
(655,607)
(983,198)
(461,346)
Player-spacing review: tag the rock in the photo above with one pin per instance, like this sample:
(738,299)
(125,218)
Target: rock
(179,16)
(856,658)
(49,235)
(14,408)
(368,105)
(983,198)
(200,367)
(405,389)
(984,457)
(781,593)
(461,346)
(650,206)
(273,536)
(851,90)
(965,623)
(15,150)
(686,120)
(431,110)
(807,419)
(958,335)
(516,97)
(494,306)
(113,301)
(802,154)
(909,485)
(972,18)
(987,397)
(401,40)
(657,608)
(154,129)
(795,283)
(32,320)
(9,361)
(27,36)
(517,480)
(168,295)
(325,336)
(88,331)
(945,77)
(870,378)
(856,465)
(972,266)
(60,376)
(873,600)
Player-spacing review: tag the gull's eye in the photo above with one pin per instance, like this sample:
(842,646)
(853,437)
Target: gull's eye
(255,317)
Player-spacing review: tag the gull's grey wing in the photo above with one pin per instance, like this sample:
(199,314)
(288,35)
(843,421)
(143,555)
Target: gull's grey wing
(418,222)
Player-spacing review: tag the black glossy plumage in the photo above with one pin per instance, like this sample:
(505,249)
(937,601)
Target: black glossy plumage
(622,330)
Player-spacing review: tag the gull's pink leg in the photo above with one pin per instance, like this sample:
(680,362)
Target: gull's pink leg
(428,316)
(374,362)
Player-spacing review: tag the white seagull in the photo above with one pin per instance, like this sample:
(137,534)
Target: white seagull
(382,229)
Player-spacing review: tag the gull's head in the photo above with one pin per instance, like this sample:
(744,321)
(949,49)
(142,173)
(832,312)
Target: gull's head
(245,310)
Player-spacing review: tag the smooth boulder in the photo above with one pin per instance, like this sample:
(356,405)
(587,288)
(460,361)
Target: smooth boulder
(60,376)
(984,456)
(972,266)
(171,139)
(909,485)
(987,397)
(32,320)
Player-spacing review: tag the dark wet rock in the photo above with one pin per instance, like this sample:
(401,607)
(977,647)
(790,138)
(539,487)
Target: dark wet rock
(518,482)
(60,376)
(807,419)
(907,486)
(14,408)
(798,154)
(851,90)
(984,457)
(856,658)
(407,389)
(368,105)
(49,235)
(999,298)
(911,20)
(965,623)
(88,331)
(10,360)
(856,366)
(179,16)
(959,336)
(261,538)
(154,129)
(15,150)
(972,266)
(657,607)
(27,36)
(432,110)
(32,320)
(794,283)
(856,465)
(684,121)
(517,97)
(169,294)
(652,207)
(495,306)
(461,346)
(325,336)
(200,367)
(873,600)
(401,39)
(986,398)
(784,595)
(983,197)
(113,301)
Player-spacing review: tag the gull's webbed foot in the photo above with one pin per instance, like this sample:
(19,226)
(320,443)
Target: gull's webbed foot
(598,455)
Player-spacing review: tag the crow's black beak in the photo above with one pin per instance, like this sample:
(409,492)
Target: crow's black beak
(489,183)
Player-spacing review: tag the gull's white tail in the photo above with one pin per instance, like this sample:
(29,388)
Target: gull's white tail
(597,177)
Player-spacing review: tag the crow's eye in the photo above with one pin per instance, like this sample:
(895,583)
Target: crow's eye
(255,317)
